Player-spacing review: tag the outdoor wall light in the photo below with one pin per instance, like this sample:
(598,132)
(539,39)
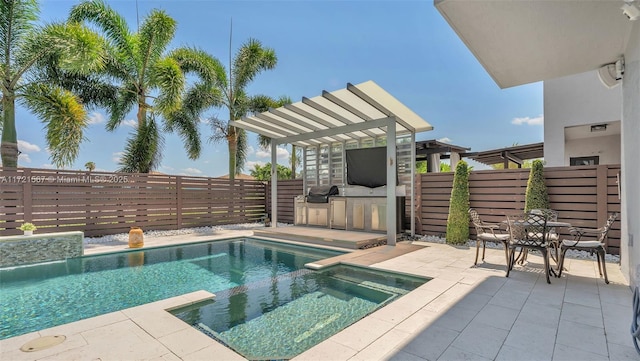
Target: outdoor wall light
(599,128)
(610,74)
(631,10)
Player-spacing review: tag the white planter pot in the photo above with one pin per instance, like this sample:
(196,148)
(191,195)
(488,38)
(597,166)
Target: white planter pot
(28,233)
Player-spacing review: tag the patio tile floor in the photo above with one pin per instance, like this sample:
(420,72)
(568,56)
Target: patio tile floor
(465,312)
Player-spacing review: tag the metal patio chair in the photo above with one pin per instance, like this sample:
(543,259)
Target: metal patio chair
(552,236)
(529,233)
(590,240)
(488,232)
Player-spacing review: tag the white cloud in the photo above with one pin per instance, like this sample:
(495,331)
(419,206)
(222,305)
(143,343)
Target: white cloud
(96,118)
(539,120)
(444,140)
(249,165)
(130,123)
(166,168)
(117,157)
(251,150)
(191,171)
(24,158)
(47,166)
(282,154)
(26,147)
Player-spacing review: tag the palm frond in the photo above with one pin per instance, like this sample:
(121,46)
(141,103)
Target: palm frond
(121,105)
(108,20)
(187,127)
(143,152)
(156,32)
(17,21)
(220,129)
(64,118)
(252,58)
(209,69)
(167,76)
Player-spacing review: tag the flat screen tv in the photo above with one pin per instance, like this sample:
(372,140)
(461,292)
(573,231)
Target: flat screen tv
(367,167)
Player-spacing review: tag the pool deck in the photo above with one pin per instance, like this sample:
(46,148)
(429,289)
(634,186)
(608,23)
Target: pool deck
(464,312)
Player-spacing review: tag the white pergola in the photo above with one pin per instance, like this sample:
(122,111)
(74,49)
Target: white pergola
(357,112)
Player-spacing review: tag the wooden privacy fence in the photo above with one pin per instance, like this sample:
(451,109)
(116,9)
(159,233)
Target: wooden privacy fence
(287,191)
(109,203)
(583,196)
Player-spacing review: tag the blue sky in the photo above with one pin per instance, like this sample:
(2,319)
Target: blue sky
(404,46)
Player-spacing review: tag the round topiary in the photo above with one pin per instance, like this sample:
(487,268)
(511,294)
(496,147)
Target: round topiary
(458,220)
(536,196)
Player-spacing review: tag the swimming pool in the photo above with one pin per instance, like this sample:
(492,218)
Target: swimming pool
(258,284)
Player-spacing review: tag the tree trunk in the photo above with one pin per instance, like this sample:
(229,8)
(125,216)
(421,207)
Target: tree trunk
(293,161)
(9,147)
(232,142)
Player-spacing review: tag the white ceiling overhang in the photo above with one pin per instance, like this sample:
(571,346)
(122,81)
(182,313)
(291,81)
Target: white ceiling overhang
(520,42)
(354,113)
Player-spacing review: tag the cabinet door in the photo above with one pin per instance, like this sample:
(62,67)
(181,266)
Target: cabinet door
(318,216)
(338,213)
(378,217)
(358,215)
(301,214)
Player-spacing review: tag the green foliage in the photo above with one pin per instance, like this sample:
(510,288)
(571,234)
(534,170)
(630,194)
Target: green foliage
(263,173)
(172,87)
(458,220)
(90,166)
(251,59)
(445,167)
(421,167)
(536,196)
(30,53)
(28,227)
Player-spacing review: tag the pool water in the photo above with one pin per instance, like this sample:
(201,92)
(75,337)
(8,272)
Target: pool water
(288,314)
(267,305)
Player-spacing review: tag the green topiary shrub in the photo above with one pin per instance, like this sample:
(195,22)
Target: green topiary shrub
(458,220)
(536,196)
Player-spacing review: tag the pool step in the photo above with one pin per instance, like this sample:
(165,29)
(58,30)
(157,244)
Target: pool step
(323,236)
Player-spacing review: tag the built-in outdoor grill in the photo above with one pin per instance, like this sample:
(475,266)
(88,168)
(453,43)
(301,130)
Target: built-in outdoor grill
(321,194)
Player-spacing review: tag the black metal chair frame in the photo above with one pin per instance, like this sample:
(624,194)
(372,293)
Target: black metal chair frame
(529,232)
(488,229)
(600,235)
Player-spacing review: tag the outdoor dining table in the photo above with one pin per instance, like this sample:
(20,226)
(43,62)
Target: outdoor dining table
(554,244)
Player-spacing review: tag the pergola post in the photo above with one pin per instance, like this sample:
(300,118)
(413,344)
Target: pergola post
(413,188)
(391,182)
(274,183)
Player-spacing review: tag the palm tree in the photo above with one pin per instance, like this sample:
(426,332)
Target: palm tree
(250,60)
(90,166)
(143,75)
(25,48)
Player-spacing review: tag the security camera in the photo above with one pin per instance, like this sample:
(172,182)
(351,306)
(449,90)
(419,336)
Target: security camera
(631,11)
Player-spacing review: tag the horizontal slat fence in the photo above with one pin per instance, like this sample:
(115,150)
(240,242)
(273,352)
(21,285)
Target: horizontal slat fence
(109,203)
(583,196)
(287,191)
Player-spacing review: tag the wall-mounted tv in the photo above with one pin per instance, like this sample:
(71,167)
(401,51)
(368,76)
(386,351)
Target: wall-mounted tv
(367,167)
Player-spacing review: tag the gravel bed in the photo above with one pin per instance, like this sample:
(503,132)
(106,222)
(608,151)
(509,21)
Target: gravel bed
(570,254)
(124,237)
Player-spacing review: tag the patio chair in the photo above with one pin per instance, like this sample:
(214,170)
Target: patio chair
(529,233)
(552,235)
(488,232)
(590,240)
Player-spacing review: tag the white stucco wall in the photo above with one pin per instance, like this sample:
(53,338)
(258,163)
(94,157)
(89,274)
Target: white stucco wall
(575,100)
(630,260)
(606,148)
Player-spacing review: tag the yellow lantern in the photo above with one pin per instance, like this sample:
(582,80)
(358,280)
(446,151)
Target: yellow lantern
(136,237)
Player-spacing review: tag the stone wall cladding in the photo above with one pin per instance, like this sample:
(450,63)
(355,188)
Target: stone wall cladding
(21,250)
